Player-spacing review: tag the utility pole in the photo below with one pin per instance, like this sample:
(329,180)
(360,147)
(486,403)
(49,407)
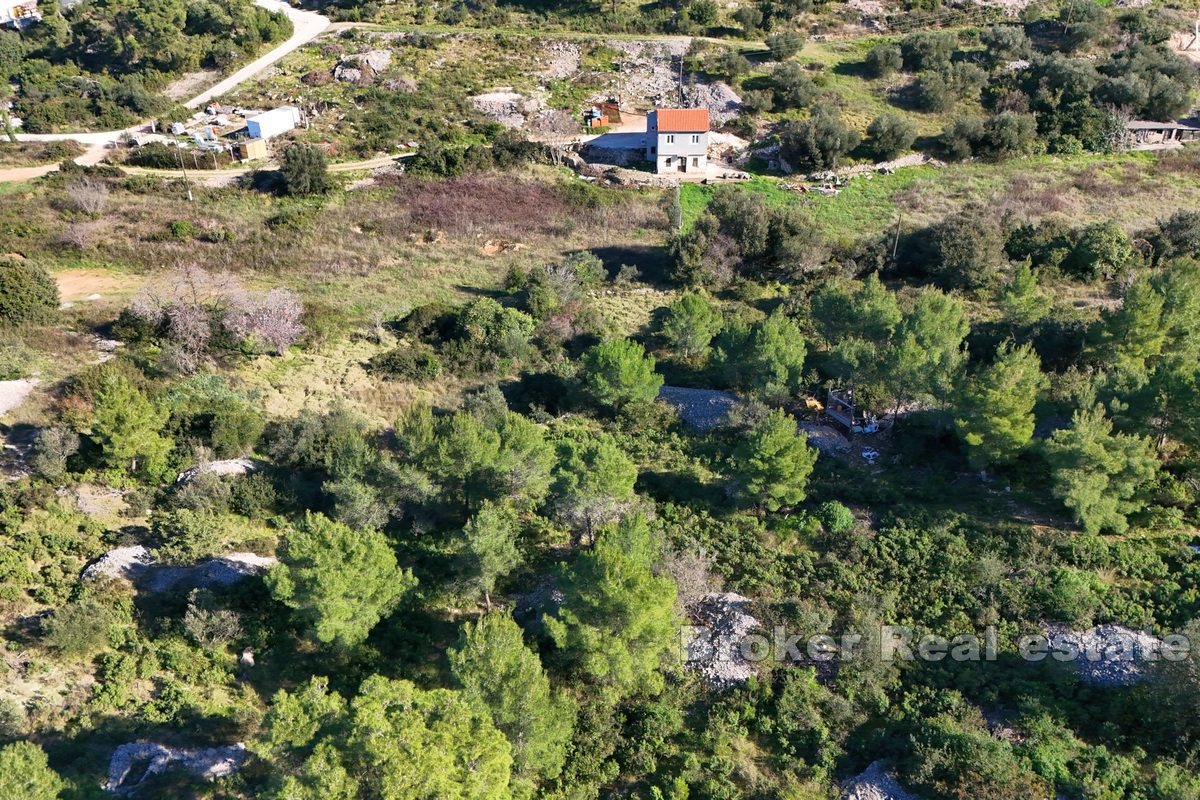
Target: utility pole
(896,240)
(186,182)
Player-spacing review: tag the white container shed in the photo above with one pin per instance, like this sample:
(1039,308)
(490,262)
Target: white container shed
(274,122)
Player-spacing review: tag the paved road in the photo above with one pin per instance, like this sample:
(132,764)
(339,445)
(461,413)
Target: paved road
(306,26)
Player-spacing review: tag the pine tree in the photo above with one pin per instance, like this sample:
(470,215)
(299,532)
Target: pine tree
(1130,336)
(391,741)
(858,327)
(690,325)
(1098,474)
(126,426)
(927,353)
(773,359)
(617,623)
(1021,300)
(773,463)
(593,484)
(494,667)
(491,547)
(406,742)
(341,581)
(619,373)
(995,413)
(323,776)
(25,773)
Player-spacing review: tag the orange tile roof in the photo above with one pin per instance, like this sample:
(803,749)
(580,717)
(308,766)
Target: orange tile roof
(682,120)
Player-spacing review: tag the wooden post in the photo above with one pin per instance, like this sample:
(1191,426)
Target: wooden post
(186,182)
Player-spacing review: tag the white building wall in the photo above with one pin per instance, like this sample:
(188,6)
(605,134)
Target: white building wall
(695,163)
(273,123)
(667,150)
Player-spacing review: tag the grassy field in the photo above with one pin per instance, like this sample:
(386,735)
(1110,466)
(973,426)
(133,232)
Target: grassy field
(355,257)
(1135,189)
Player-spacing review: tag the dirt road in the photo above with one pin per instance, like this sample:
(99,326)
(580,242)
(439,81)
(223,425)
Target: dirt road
(306,26)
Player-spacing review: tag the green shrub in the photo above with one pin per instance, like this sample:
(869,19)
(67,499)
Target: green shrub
(291,218)
(181,229)
(784,45)
(80,628)
(186,536)
(835,517)
(27,292)
(889,135)
(882,60)
(304,170)
(254,496)
(15,359)
(413,363)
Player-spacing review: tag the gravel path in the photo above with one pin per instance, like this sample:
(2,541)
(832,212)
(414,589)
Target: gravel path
(702,409)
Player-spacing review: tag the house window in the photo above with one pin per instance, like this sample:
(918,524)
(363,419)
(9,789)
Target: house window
(695,138)
(668,162)
(653,149)
(670,138)
(695,162)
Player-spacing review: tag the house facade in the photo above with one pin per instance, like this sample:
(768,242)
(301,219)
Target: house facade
(677,139)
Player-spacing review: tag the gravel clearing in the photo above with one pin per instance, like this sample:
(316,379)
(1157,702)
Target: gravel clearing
(208,763)
(875,783)
(137,565)
(910,160)
(13,393)
(721,621)
(647,70)
(229,466)
(225,570)
(702,409)
(826,438)
(129,563)
(1110,655)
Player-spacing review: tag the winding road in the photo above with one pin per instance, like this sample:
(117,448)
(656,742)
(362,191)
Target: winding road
(306,26)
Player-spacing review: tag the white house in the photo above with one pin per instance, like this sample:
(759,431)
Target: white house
(19,14)
(274,122)
(677,139)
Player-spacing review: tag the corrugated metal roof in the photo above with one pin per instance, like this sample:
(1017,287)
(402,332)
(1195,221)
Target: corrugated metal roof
(682,120)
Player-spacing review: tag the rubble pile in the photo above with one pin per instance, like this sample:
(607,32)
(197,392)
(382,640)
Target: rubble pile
(1111,655)
(138,565)
(722,620)
(722,102)
(875,783)
(505,106)
(649,70)
(208,763)
(228,466)
(362,67)
(560,60)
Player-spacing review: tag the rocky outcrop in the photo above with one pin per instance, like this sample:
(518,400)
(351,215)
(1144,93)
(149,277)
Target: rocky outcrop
(875,783)
(131,764)
(137,565)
